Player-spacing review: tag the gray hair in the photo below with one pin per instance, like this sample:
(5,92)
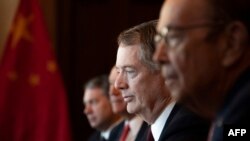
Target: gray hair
(144,35)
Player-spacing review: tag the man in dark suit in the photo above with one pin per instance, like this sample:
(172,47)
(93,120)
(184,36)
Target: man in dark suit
(113,136)
(206,66)
(98,110)
(143,88)
(133,126)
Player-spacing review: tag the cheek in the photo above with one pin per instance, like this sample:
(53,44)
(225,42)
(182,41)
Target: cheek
(180,61)
(197,64)
(97,110)
(148,88)
(119,105)
(187,64)
(134,85)
(137,88)
(102,109)
(188,59)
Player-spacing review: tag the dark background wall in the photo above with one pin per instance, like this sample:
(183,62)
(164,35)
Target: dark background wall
(86,32)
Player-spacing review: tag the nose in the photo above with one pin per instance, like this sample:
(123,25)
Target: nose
(120,82)
(160,55)
(87,109)
(113,91)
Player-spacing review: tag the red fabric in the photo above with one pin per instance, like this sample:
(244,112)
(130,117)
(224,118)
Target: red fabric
(125,131)
(33,105)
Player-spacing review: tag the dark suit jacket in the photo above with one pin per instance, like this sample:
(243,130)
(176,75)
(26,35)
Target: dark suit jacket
(183,125)
(114,134)
(96,136)
(236,108)
(142,131)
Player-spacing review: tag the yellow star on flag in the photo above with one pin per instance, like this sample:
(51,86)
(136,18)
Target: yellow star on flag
(20,30)
(34,80)
(51,66)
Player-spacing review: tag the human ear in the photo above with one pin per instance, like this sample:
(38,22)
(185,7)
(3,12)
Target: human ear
(236,40)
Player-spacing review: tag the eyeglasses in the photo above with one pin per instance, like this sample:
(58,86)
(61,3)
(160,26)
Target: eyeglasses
(172,39)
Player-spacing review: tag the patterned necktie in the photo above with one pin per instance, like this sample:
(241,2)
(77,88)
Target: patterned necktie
(125,131)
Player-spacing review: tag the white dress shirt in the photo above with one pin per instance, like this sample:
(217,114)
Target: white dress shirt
(158,125)
(135,125)
(105,134)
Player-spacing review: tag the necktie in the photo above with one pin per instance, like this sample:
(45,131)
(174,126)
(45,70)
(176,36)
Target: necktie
(125,131)
(149,135)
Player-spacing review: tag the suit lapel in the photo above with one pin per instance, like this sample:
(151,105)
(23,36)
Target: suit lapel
(116,131)
(142,132)
(171,116)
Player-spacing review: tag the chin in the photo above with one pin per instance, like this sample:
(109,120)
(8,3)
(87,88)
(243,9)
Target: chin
(119,111)
(131,108)
(175,95)
(93,125)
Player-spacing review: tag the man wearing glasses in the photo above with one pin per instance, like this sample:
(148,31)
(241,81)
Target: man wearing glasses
(203,47)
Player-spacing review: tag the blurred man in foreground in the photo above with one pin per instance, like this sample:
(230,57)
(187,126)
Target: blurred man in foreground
(203,47)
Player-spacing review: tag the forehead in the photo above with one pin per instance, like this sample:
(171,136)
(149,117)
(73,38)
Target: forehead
(183,12)
(93,93)
(127,56)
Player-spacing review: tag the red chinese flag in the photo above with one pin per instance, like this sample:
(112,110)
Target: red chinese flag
(33,104)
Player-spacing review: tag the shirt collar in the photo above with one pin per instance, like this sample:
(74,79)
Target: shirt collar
(158,125)
(135,125)
(105,134)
